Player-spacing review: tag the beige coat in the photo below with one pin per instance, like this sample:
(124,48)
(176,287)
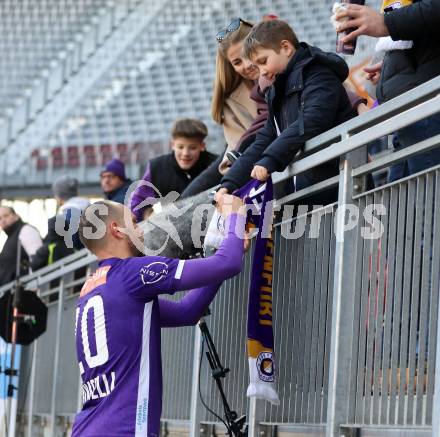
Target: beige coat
(239,113)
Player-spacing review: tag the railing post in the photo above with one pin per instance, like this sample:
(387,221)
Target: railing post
(56,361)
(343,302)
(436,402)
(195,409)
(32,390)
(256,407)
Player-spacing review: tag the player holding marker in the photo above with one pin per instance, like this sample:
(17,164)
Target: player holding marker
(119,317)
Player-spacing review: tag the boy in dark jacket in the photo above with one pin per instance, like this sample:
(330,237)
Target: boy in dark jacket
(306,99)
(174,171)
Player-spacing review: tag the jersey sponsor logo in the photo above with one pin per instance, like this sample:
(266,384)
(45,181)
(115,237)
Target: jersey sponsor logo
(142,413)
(153,272)
(98,278)
(265,366)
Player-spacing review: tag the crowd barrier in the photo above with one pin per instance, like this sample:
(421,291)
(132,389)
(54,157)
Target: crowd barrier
(355,318)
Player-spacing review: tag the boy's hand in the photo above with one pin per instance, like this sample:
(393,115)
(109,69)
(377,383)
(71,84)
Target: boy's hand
(219,194)
(260,173)
(365,20)
(361,108)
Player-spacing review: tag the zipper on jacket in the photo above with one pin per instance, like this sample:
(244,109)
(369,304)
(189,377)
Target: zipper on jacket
(301,116)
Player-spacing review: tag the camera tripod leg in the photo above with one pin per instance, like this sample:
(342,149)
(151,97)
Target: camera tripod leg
(218,372)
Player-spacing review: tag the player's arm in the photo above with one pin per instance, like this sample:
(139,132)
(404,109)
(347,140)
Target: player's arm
(160,275)
(188,310)
(226,263)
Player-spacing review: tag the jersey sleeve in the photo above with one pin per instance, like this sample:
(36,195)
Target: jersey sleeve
(149,276)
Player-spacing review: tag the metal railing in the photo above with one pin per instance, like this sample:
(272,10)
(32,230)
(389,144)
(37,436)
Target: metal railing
(355,318)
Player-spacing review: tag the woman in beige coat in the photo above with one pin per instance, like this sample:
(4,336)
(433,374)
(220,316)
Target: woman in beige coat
(237,103)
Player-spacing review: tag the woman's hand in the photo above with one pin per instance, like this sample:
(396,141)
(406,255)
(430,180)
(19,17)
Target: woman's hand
(260,173)
(373,72)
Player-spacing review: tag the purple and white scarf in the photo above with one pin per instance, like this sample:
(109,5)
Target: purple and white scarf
(260,343)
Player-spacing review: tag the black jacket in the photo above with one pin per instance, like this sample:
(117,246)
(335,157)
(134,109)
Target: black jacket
(8,256)
(167,176)
(53,249)
(307,99)
(208,178)
(403,70)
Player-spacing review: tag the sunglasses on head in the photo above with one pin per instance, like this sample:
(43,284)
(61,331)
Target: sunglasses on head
(231,27)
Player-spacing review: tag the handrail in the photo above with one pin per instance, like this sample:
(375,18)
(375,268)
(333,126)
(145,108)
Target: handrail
(361,130)
(395,106)
(417,103)
(46,274)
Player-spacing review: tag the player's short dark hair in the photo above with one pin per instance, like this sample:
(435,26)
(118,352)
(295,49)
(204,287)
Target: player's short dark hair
(189,128)
(93,223)
(268,35)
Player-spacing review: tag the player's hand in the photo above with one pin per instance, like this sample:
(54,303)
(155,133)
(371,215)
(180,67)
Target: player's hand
(228,204)
(219,194)
(373,72)
(224,166)
(260,173)
(365,21)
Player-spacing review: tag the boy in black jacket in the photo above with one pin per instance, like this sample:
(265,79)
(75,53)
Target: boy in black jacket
(174,171)
(306,99)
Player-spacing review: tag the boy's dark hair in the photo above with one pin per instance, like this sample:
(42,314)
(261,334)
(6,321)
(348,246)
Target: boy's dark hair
(189,128)
(268,35)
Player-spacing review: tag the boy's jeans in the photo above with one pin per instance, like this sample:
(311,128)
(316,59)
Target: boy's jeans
(416,132)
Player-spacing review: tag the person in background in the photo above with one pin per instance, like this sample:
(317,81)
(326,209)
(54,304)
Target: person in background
(408,33)
(53,248)
(18,234)
(174,171)
(114,182)
(70,206)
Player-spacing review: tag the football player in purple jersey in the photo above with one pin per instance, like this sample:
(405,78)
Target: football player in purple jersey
(119,316)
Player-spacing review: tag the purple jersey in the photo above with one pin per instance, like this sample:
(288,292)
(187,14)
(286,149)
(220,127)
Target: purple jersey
(118,346)
(118,322)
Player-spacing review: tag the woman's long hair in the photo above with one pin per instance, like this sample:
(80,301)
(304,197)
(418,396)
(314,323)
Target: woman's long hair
(226,78)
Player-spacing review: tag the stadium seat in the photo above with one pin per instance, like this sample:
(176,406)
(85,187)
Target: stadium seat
(72,157)
(90,156)
(123,153)
(159,78)
(39,162)
(106,152)
(57,157)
